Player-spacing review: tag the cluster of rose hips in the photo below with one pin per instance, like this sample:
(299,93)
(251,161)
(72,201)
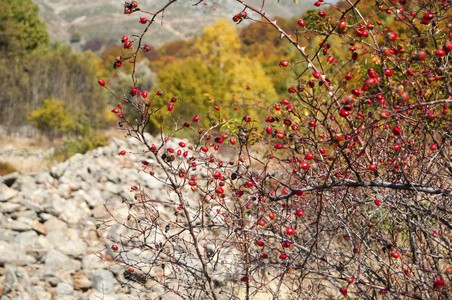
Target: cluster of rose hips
(130,7)
(126,42)
(240,16)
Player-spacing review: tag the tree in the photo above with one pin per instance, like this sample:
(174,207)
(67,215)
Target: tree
(53,118)
(218,73)
(344,191)
(22,32)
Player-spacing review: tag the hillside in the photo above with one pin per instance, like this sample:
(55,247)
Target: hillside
(84,19)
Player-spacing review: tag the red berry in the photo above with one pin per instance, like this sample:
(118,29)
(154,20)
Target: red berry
(101,82)
(290,231)
(115,247)
(301,23)
(284,63)
(143,20)
(396,254)
(299,213)
(439,283)
(343,291)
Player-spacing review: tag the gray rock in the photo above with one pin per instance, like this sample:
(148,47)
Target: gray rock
(64,288)
(91,262)
(23,296)
(95,295)
(6,193)
(57,262)
(112,188)
(19,226)
(55,224)
(67,297)
(22,277)
(41,296)
(26,184)
(57,237)
(44,178)
(81,282)
(103,281)
(73,248)
(14,255)
(9,179)
(58,170)
(26,214)
(7,235)
(10,279)
(71,217)
(27,238)
(35,207)
(79,296)
(10,207)
(53,281)
(45,216)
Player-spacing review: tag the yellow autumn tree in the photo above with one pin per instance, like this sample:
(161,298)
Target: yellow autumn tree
(218,75)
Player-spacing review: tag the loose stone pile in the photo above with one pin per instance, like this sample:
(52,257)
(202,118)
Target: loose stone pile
(50,246)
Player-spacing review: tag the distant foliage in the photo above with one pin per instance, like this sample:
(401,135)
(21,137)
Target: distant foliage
(53,118)
(219,73)
(32,71)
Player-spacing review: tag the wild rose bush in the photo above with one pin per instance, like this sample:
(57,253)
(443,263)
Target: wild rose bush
(344,188)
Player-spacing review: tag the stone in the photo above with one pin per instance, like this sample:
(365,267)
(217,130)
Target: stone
(23,277)
(73,248)
(10,207)
(41,296)
(103,281)
(64,288)
(26,184)
(95,295)
(7,235)
(9,179)
(57,262)
(91,262)
(39,227)
(23,296)
(67,297)
(55,223)
(6,193)
(12,254)
(35,207)
(19,226)
(27,239)
(26,214)
(81,282)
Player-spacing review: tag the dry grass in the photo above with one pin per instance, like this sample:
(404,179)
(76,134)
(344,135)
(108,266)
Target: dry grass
(32,164)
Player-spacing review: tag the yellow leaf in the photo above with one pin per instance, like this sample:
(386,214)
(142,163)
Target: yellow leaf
(376,59)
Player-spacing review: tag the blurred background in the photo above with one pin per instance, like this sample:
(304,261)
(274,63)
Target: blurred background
(54,51)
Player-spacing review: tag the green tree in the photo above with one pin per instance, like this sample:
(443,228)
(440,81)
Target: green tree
(22,31)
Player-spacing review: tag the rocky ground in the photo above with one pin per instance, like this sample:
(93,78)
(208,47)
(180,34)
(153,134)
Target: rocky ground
(50,245)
